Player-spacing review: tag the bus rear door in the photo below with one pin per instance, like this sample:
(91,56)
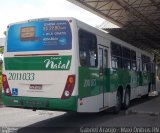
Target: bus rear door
(103,65)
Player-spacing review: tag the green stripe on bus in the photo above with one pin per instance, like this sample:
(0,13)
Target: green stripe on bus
(38,63)
(69,104)
(91,83)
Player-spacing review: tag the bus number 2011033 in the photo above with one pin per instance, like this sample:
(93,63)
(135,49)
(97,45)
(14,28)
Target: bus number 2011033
(21,76)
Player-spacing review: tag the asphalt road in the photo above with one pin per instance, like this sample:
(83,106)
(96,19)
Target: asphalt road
(27,121)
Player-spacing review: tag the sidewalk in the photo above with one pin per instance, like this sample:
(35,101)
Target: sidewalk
(151,107)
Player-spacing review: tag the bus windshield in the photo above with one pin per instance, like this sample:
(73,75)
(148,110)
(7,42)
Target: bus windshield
(39,36)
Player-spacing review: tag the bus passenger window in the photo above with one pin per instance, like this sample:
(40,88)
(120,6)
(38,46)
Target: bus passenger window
(138,64)
(116,52)
(126,58)
(83,57)
(87,49)
(134,65)
(146,63)
(105,58)
(133,60)
(93,57)
(114,62)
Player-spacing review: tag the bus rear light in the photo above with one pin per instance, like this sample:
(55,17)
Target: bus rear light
(71,79)
(68,87)
(6,85)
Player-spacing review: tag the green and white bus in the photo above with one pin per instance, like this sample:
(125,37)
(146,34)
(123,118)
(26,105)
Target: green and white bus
(64,64)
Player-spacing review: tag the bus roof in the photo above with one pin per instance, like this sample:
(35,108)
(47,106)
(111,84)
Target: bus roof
(88,28)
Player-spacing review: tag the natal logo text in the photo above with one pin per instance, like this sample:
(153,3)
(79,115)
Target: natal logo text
(57,63)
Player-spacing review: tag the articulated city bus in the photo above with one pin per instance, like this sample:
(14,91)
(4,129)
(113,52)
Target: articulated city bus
(64,64)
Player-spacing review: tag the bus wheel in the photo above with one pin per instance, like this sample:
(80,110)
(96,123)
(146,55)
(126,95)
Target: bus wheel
(149,89)
(126,100)
(117,107)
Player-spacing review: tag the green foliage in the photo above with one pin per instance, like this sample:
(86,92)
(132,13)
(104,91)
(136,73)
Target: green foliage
(1,49)
(5,33)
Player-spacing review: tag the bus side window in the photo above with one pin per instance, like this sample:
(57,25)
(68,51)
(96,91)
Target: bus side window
(87,49)
(105,58)
(133,60)
(116,52)
(126,58)
(93,57)
(138,64)
(146,63)
(134,65)
(83,57)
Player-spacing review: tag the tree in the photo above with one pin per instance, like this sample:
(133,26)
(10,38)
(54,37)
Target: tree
(1,49)
(5,33)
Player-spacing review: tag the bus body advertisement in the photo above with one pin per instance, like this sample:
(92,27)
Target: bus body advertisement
(64,64)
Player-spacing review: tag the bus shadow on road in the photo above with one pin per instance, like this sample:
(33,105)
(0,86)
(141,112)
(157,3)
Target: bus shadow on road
(75,122)
(141,100)
(67,123)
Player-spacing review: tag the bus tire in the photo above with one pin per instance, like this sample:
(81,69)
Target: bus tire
(126,99)
(149,89)
(117,107)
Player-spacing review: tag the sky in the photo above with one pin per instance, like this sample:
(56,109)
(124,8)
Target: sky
(12,11)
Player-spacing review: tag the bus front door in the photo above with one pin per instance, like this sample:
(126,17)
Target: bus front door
(103,65)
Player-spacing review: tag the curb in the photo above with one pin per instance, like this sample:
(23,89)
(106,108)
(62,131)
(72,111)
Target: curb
(130,112)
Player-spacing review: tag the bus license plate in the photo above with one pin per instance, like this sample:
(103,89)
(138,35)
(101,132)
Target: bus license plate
(34,104)
(35,87)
